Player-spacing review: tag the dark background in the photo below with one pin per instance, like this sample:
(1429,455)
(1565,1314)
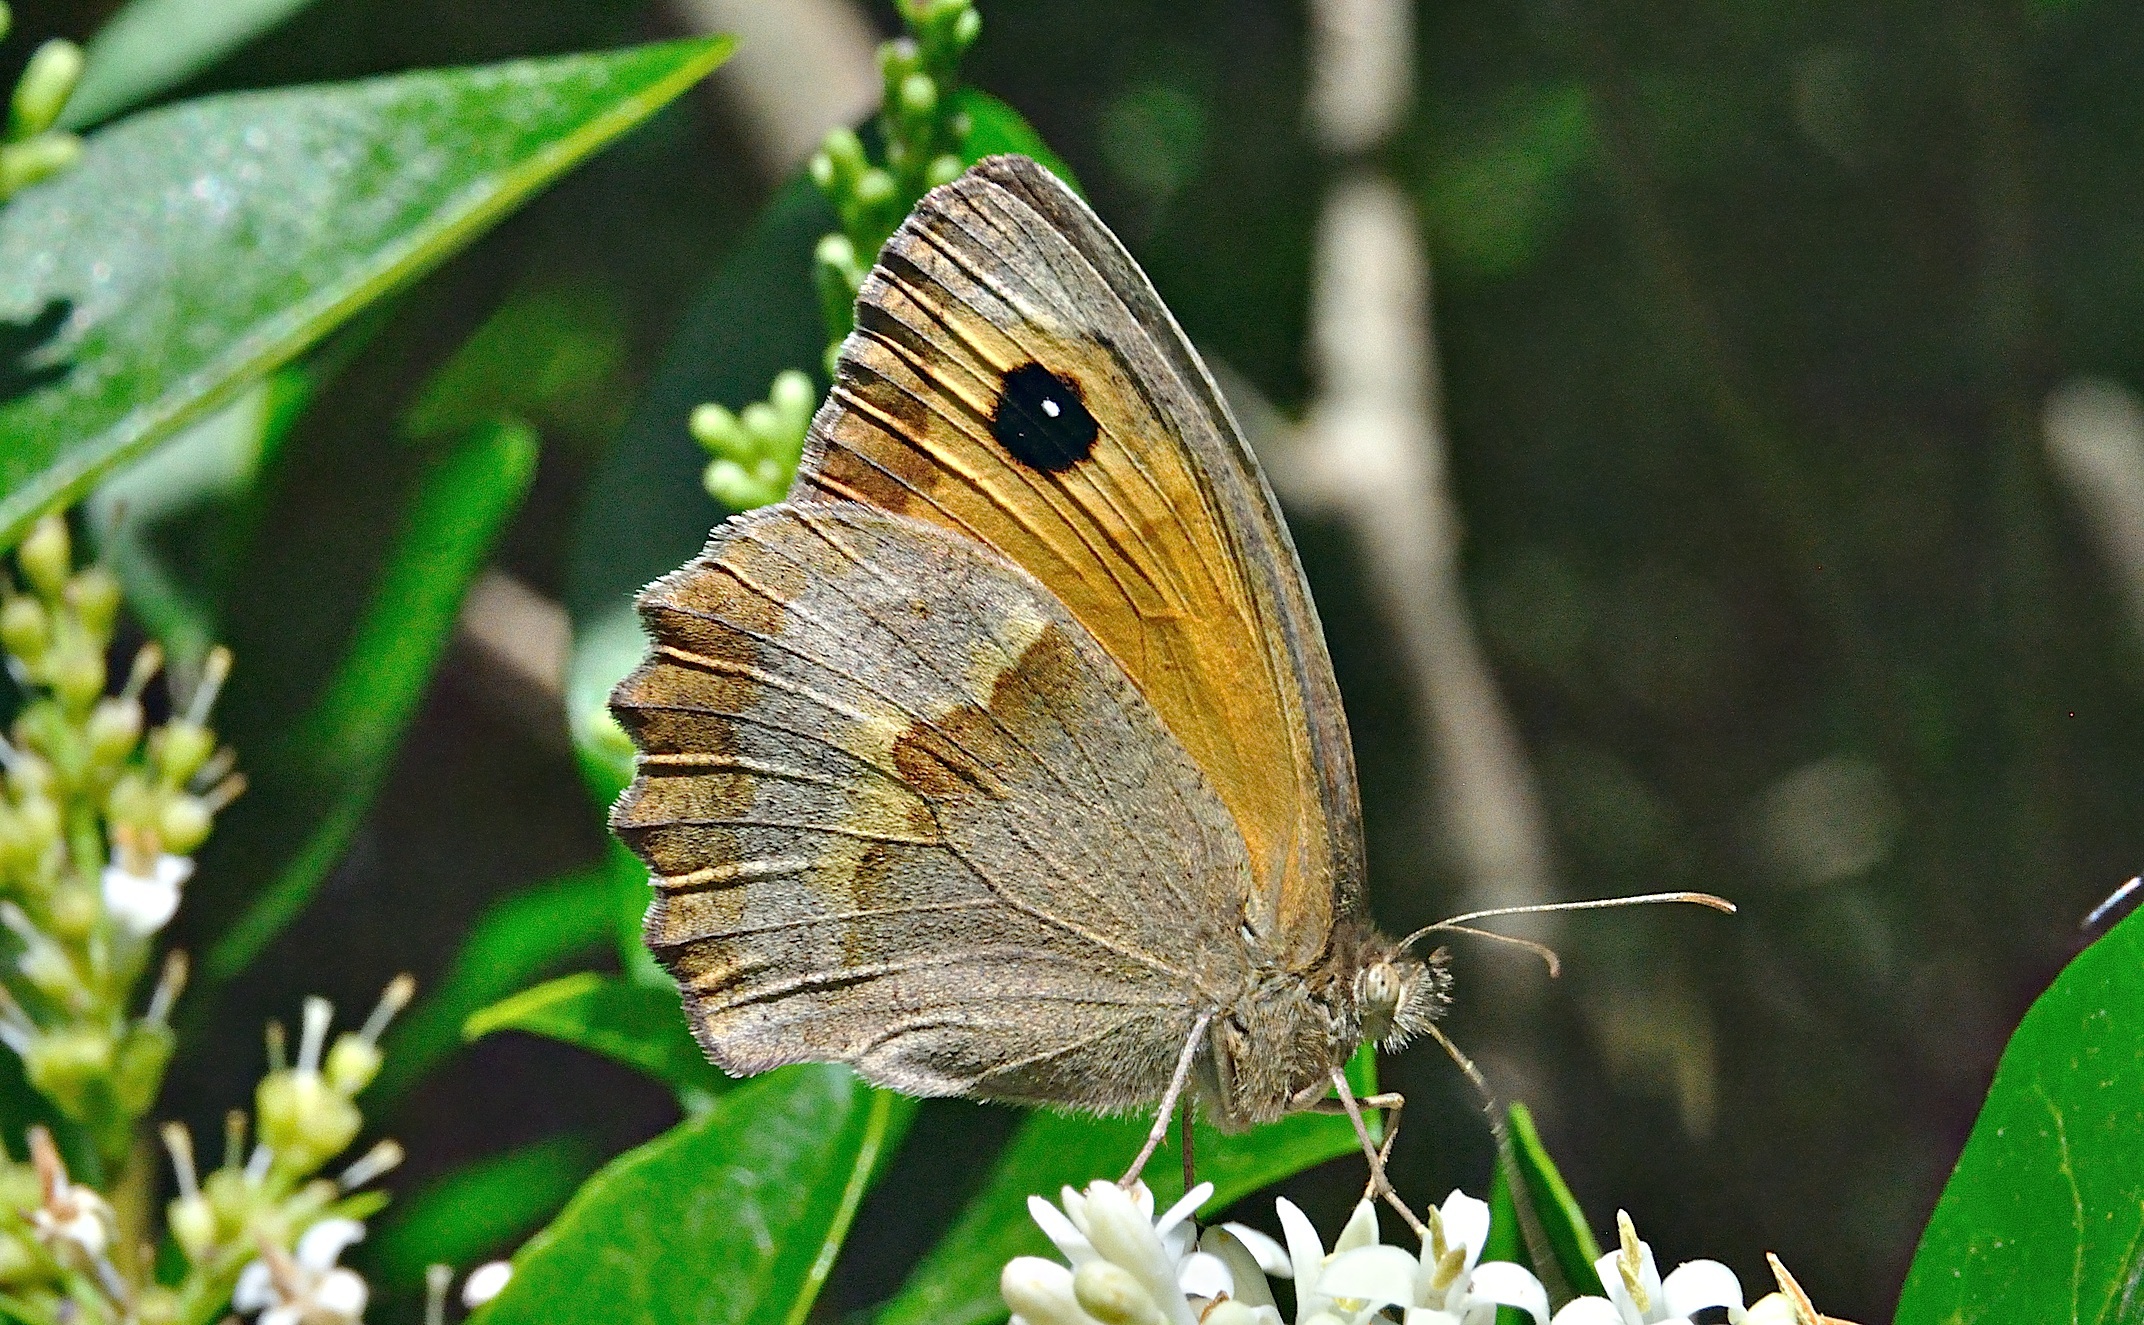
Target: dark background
(1747,315)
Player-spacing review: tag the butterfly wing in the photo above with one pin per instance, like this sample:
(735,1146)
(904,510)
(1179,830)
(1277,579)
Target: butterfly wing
(903,811)
(1014,377)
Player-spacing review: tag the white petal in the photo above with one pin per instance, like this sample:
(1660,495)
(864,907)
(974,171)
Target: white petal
(1272,1257)
(341,1293)
(1204,1275)
(1383,1276)
(1609,1269)
(1509,1285)
(1232,1312)
(1075,1207)
(1142,1200)
(1593,1311)
(1114,1295)
(143,904)
(1186,1206)
(1305,1253)
(1429,1316)
(1361,1230)
(1040,1292)
(256,1288)
(283,1315)
(1120,1232)
(321,1245)
(1466,1223)
(1060,1231)
(1696,1285)
(1243,1266)
(1323,1318)
(1772,1309)
(486,1282)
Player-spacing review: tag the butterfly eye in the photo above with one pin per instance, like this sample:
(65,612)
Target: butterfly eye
(1042,420)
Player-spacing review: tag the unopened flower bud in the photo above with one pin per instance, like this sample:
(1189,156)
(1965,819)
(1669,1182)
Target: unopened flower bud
(37,821)
(72,910)
(46,557)
(353,1063)
(1040,1292)
(25,163)
(179,748)
(25,628)
(68,1066)
(19,1261)
(78,675)
(303,1119)
(193,1225)
(47,81)
(46,967)
(1112,1295)
(919,95)
(138,1069)
(113,729)
(183,824)
(94,591)
(943,169)
(875,189)
(967,26)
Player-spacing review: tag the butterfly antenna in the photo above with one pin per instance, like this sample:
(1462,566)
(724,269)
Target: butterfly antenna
(1461,923)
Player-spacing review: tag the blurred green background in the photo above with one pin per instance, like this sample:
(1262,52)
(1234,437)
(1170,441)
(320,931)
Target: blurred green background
(1748,318)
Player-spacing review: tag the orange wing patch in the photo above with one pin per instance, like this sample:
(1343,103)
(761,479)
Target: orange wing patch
(1129,532)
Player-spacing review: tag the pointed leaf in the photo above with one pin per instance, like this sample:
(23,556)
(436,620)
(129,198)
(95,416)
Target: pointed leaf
(152,46)
(226,235)
(635,1024)
(735,1216)
(1560,1244)
(2043,1218)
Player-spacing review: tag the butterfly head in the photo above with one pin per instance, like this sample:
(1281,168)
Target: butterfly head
(1398,995)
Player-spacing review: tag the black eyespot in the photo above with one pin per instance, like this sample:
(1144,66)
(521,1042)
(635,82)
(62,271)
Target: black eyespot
(1041,419)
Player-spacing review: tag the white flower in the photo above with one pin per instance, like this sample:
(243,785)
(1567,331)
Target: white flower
(1637,1295)
(1308,1262)
(1445,1285)
(305,1287)
(142,904)
(1129,1268)
(70,1217)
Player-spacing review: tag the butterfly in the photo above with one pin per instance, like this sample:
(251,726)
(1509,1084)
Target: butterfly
(1004,757)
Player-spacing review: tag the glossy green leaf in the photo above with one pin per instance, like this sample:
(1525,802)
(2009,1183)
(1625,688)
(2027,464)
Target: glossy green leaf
(957,1283)
(152,46)
(517,940)
(635,1024)
(2043,1219)
(646,513)
(732,1217)
(151,318)
(1560,1244)
(479,1209)
(333,763)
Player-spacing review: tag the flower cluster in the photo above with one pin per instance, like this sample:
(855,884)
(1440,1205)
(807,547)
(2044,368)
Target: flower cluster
(265,1229)
(1125,1267)
(99,817)
(32,148)
(755,450)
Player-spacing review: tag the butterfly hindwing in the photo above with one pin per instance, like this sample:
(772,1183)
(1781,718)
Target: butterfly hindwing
(903,811)
(1014,378)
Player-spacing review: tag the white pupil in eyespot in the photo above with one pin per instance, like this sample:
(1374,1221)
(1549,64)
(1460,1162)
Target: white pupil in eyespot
(1051,407)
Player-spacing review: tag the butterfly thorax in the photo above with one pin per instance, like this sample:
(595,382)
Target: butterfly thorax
(1280,1041)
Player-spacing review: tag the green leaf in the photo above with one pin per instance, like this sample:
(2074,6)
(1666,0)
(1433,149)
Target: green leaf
(152,46)
(638,1025)
(735,1216)
(646,513)
(1561,1249)
(518,939)
(333,763)
(479,1209)
(232,232)
(957,1282)
(2043,1219)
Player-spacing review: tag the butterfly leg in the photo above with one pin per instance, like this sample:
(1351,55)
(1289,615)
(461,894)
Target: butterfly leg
(1184,1120)
(1379,1183)
(1160,1130)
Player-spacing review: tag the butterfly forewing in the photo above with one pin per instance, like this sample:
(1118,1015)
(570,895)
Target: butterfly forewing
(1015,379)
(903,811)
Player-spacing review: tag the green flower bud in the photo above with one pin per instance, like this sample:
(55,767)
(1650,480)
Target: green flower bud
(138,1067)
(179,748)
(193,1226)
(25,163)
(967,26)
(718,430)
(77,673)
(792,394)
(113,730)
(919,95)
(95,593)
(821,167)
(944,169)
(897,59)
(183,824)
(303,1120)
(21,1190)
(762,425)
(70,1066)
(19,1261)
(157,1305)
(46,557)
(47,81)
(72,911)
(352,1063)
(25,629)
(37,819)
(845,160)
(734,486)
(229,1197)
(876,189)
